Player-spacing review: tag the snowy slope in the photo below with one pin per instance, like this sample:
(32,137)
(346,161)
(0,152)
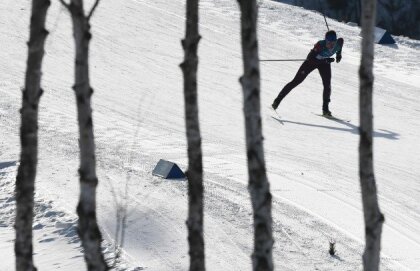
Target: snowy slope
(312,162)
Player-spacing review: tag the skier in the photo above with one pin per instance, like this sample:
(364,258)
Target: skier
(319,58)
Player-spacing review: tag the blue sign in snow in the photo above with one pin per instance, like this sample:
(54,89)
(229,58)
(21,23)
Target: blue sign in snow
(383,37)
(168,170)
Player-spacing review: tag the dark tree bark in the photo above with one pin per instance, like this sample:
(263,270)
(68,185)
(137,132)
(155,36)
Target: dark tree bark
(88,229)
(372,215)
(25,180)
(195,163)
(259,186)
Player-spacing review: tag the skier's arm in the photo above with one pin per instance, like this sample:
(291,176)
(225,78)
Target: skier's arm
(312,56)
(314,52)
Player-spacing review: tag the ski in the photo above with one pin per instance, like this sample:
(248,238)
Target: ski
(332,118)
(277,117)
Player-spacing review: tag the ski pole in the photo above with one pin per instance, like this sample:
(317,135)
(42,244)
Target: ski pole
(320,5)
(282,59)
(326,22)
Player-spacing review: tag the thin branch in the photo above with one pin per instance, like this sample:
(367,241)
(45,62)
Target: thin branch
(92,10)
(65,4)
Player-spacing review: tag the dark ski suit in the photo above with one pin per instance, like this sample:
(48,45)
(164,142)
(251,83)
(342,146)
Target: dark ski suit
(319,58)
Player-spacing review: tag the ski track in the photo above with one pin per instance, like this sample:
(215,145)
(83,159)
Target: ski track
(139,127)
(51,226)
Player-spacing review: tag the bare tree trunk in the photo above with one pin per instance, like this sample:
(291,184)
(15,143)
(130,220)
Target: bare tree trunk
(25,180)
(195,163)
(259,186)
(88,229)
(372,215)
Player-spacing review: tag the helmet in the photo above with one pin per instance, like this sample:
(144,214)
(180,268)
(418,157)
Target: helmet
(331,36)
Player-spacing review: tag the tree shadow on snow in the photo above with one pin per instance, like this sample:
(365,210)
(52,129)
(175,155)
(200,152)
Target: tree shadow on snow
(337,258)
(7,164)
(393,46)
(4,165)
(351,128)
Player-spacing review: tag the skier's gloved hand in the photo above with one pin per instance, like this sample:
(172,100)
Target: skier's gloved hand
(338,58)
(329,60)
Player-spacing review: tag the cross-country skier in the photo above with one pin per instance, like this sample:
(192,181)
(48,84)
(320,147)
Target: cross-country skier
(319,58)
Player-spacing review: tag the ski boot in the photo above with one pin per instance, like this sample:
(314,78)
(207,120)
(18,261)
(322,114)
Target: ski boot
(326,113)
(276,103)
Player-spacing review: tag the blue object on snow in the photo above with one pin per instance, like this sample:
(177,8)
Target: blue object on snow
(168,170)
(383,37)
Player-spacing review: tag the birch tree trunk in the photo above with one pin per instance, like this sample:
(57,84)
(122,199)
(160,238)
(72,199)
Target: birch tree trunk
(88,229)
(258,186)
(195,164)
(25,180)
(372,215)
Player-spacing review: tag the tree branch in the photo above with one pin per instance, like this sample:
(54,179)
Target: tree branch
(65,4)
(92,10)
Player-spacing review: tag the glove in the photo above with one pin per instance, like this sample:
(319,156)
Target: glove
(329,60)
(338,58)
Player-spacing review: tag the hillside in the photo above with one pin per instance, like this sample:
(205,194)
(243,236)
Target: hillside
(312,162)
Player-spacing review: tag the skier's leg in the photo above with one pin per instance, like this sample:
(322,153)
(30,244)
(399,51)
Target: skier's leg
(305,69)
(325,72)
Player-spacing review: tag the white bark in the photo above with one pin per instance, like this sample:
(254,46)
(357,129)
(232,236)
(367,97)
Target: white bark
(372,215)
(88,229)
(25,180)
(195,163)
(258,186)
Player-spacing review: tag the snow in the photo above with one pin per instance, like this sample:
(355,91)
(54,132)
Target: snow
(312,162)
